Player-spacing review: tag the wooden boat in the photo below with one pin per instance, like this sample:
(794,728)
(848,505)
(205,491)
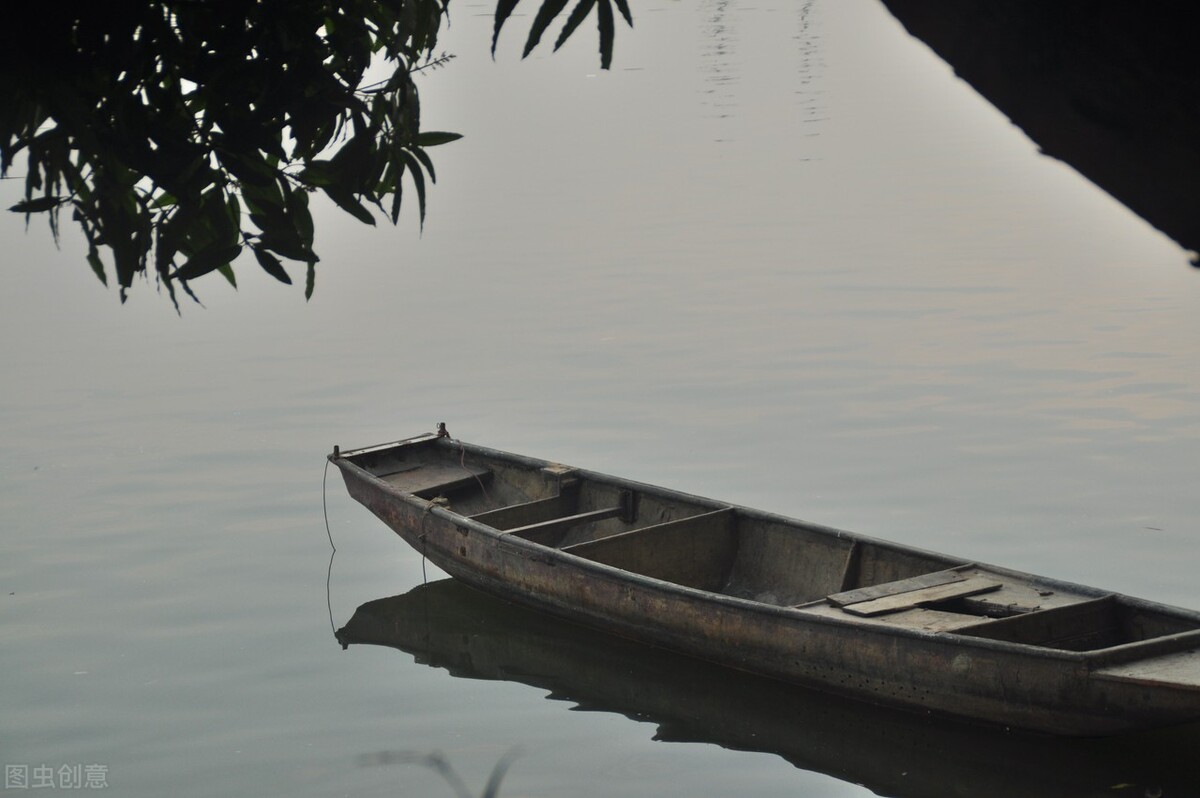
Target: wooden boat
(787,599)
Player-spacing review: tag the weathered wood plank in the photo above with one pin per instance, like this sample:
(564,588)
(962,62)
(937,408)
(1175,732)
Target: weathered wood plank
(915,598)
(432,479)
(1081,626)
(548,533)
(695,551)
(931,620)
(1181,668)
(533,512)
(893,588)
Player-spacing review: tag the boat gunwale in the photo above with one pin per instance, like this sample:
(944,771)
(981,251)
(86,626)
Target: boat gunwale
(1091,659)
(338,453)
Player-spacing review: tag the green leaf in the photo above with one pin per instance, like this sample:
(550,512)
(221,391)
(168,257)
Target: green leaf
(397,192)
(504,8)
(93,259)
(263,198)
(604,22)
(623,5)
(418,178)
(349,204)
(300,217)
(206,261)
(427,162)
(169,232)
(577,16)
(227,272)
(288,247)
(271,265)
(434,138)
(545,15)
(38,205)
(233,211)
(318,173)
(310,281)
(248,167)
(353,161)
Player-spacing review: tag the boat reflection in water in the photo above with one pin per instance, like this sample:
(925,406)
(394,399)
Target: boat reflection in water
(448,625)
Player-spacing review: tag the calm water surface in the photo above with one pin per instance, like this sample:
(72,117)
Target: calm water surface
(779,256)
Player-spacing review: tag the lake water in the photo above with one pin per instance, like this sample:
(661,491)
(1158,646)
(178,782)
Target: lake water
(779,256)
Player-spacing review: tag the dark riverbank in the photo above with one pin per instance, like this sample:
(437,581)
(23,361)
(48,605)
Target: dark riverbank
(1107,88)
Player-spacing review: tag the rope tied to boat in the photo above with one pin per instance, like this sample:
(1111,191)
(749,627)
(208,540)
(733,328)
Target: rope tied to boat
(437,501)
(333,553)
(442,432)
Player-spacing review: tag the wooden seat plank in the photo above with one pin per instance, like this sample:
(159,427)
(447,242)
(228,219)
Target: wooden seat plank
(930,620)
(550,532)
(433,479)
(929,595)
(873,592)
(518,515)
